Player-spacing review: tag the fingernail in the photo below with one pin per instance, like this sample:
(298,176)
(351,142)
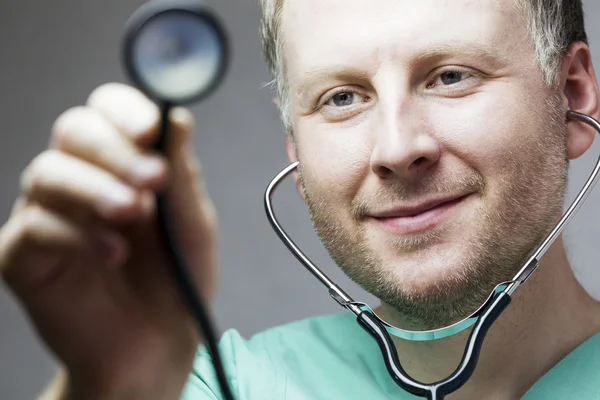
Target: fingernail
(114,200)
(121,195)
(147,168)
(143,120)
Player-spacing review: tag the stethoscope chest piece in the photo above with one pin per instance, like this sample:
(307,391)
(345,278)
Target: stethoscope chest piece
(176,51)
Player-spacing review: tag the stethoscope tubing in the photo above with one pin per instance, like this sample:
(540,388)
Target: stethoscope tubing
(180,271)
(463,372)
(486,315)
(533,263)
(136,23)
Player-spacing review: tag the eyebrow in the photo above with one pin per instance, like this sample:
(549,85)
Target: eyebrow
(339,72)
(469,49)
(348,73)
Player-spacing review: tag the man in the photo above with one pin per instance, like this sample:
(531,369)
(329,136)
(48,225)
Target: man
(433,149)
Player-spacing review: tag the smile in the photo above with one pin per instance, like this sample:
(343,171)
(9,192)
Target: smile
(407,220)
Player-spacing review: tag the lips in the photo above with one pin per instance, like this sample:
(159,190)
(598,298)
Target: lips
(419,217)
(409,211)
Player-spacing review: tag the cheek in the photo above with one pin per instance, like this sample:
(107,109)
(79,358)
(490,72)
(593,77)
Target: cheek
(488,132)
(334,160)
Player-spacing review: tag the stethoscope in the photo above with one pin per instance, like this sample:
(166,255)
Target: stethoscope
(176,52)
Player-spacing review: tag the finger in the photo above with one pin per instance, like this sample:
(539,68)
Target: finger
(134,114)
(187,191)
(62,182)
(20,203)
(129,110)
(86,134)
(35,241)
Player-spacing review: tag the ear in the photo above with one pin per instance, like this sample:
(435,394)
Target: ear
(580,88)
(290,148)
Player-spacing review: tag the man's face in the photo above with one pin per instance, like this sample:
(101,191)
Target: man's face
(432,154)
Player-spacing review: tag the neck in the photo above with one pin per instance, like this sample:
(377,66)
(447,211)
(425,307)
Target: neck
(549,316)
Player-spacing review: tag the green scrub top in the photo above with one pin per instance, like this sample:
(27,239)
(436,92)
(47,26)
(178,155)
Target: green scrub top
(332,357)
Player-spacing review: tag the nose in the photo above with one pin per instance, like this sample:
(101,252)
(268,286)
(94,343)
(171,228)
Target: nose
(403,149)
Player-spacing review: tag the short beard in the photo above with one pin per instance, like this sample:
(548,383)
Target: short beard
(531,202)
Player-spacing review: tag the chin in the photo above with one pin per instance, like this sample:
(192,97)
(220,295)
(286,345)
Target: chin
(432,274)
(434,287)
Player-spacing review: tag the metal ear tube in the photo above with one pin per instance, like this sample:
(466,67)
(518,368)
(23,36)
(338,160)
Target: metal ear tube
(480,320)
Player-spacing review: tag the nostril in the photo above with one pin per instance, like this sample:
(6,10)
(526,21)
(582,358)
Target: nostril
(383,172)
(419,161)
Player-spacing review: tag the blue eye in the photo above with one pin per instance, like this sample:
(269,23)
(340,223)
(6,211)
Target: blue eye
(451,77)
(343,99)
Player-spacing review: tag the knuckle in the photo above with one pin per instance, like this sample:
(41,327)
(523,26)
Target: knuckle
(8,232)
(67,124)
(183,119)
(112,97)
(127,108)
(107,92)
(31,175)
(211,217)
(18,205)
(30,221)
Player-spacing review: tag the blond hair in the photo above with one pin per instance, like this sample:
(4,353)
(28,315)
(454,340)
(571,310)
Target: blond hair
(553,26)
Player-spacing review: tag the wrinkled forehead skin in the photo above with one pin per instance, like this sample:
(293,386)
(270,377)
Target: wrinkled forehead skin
(320,35)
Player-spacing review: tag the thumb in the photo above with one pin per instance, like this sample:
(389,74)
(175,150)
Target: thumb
(192,212)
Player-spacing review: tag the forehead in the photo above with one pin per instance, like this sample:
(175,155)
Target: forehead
(346,31)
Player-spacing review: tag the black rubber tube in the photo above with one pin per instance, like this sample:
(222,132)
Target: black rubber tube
(180,271)
(437,390)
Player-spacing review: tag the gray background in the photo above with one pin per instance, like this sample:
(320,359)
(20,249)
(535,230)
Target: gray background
(53,53)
